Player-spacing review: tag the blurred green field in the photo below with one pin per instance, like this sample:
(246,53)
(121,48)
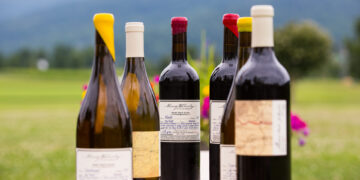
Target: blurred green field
(38,112)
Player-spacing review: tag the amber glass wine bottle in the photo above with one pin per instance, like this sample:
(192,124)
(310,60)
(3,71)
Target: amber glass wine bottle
(220,83)
(142,106)
(103,134)
(179,108)
(227,144)
(262,107)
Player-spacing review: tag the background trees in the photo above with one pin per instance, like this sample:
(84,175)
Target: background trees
(353,48)
(303,48)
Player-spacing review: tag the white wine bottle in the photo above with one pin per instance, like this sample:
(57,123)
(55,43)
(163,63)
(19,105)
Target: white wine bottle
(103,134)
(142,106)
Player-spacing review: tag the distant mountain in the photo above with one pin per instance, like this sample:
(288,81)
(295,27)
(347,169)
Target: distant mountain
(46,23)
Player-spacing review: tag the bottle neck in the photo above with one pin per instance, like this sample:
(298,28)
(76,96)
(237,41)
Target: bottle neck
(135,65)
(103,62)
(244,48)
(230,51)
(262,32)
(263,55)
(179,49)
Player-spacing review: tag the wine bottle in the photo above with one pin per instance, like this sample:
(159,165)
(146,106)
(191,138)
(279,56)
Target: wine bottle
(103,134)
(262,107)
(220,83)
(141,102)
(179,108)
(227,144)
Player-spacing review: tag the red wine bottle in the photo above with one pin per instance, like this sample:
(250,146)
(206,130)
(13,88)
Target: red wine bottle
(227,143)
(103,133)
(179,108)
(262,107)
(220,83)
(142,106)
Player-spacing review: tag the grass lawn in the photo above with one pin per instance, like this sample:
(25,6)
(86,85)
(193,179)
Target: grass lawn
(38,112)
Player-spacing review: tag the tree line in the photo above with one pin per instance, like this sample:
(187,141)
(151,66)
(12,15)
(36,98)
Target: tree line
(304,48)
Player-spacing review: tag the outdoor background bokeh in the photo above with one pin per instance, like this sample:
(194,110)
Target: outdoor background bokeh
(46,52)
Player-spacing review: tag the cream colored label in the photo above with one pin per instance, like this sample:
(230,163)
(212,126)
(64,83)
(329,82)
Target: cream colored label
(146,154)
(260,128)
(112,163)
(227,162)
(216,113)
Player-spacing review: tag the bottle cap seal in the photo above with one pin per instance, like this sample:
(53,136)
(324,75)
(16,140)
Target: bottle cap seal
(229,21)
(178,25)
(244,24)
(104,25)
(262,11)
(134,27)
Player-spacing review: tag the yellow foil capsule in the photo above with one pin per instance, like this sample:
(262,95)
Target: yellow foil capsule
(244,24)
(104,25)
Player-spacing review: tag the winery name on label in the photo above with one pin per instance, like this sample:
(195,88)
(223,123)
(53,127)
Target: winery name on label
(180,107)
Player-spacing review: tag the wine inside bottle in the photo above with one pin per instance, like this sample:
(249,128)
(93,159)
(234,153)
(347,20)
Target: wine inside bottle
(142,106)
(262,107)
(103,134)
(179,108)
(227,143)
(220,83)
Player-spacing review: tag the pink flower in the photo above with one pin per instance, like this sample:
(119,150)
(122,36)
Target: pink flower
(300,128)
(306,131)
(302,142)
(156,78)
(85,86)
(205,108)
(297,124)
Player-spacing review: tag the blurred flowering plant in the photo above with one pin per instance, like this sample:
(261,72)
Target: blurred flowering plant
(155,86)
(84,90)
(300,128)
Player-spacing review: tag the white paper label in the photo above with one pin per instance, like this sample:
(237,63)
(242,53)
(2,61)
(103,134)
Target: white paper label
(227,162)
(110,164)
(279,127)
(216,114)
(179,120)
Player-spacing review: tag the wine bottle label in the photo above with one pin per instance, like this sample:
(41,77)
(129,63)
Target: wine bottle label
(227,162)
(216,112)
(179,120)
(103,163)
(146,154)
(260,127)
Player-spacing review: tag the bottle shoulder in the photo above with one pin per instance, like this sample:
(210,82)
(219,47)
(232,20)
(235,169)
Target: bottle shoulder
(179,72)
(223,72)
(138,92)
(263,73)
(112,104)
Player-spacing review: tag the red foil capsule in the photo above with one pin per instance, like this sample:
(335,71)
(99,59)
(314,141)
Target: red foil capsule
(179,25)
(229,21)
